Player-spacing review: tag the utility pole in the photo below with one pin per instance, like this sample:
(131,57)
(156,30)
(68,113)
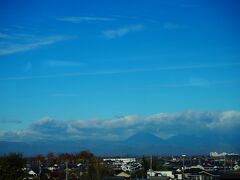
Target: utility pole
(150,170)
(39,169)
(183,166)
(66,169)
(224,163)
(151,163)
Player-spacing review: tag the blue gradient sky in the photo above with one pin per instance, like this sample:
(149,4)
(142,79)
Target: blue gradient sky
(102,59)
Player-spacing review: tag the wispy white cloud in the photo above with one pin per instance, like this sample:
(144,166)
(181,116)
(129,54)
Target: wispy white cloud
(192,82)
(79,19)
(4,36)
(7,121)
(17,36)
(137,70)
(17,26)
(138,18)
(57,63)
(199,82)
(164,125)
(171,26)
(65,95)
(15,47)
(189,5)
(28,66)
(115,33)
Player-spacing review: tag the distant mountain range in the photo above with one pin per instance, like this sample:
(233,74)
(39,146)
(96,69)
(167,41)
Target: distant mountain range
(139,144)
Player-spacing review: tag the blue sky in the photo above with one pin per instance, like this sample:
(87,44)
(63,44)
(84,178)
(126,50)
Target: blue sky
(96,61)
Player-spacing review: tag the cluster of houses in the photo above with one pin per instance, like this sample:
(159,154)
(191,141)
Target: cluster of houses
(215,166)
(123,164)
(192,173)
(54,171)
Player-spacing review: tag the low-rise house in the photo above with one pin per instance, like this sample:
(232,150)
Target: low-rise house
(167,174)
(236,167)
(123,174)
(32,173)
(203,175)
(177,174)
(123,164)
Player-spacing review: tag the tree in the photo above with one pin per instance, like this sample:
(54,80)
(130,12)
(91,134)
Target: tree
(96,169)
(86,155)
(64,157)
(51,159)
(11,167)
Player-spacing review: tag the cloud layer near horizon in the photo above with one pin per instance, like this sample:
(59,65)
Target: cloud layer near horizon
(163,125)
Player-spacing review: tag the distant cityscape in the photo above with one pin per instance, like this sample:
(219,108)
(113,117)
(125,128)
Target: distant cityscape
(86,166)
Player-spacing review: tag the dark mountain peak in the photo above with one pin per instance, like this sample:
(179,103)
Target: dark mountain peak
(144,138)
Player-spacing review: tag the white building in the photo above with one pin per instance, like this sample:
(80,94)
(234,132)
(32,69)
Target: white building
(215,154)
(151,173)
(32,173)
(124,160)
